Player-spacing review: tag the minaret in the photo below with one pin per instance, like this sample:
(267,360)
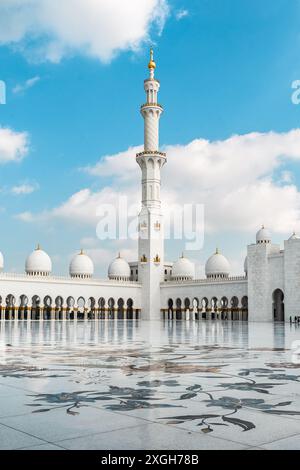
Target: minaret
(151,238)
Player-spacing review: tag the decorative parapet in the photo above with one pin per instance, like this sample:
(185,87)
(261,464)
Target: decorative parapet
(151,105)
(208,281)
(50,278)
(151,152)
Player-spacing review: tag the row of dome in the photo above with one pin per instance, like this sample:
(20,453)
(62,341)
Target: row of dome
(81,265)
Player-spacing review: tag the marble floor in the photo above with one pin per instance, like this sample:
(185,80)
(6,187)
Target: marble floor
(143,385)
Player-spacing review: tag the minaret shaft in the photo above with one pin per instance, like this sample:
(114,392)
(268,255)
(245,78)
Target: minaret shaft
(151,240)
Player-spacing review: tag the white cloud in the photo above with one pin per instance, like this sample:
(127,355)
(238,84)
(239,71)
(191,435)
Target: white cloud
(232,178)
(14,146)
(21,87)
(24,188)
(236,179)
(25,217)
(179,14)
(52,29)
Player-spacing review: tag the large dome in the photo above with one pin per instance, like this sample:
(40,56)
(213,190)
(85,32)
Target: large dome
(1,262)
(38,263)
(263,236)
(183,270)
(81,266)
(217,266)
(119,269)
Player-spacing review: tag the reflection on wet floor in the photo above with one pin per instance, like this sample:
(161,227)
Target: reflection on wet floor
(221,380)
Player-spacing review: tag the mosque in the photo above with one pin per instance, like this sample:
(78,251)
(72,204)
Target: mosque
(152,288)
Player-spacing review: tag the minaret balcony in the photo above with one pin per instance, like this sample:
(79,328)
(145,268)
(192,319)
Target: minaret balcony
(151,105)
(151,152)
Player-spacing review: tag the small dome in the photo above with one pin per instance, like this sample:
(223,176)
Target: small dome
(38,263)
(263,236)
(119,269)
(246,265)
(183,270)
(217,266)
(81,266)
(1,262)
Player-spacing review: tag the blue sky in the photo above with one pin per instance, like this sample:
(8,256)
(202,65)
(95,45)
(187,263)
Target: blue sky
(226,68)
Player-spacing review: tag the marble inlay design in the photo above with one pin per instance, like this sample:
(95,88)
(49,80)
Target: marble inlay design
(211,378)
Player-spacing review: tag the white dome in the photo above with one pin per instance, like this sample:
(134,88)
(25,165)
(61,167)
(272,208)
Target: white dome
(119,269)
(263,236)
(246,265)
(183,270)
(217,266)
(81,266)
(1,261)
(38,263)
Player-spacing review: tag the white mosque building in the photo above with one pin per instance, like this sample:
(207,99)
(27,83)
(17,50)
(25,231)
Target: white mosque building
(152,288)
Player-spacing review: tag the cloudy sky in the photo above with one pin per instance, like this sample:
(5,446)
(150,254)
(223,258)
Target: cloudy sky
(71,126)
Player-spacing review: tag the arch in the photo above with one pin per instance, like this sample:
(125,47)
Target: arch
(111,307)
(120,313)
(10,307)
(178,309)
(23,307)
(35,307)
(91,308)
(234,305)
(170,309)
(70,308)
(129,305)
(195,308)
(10,300)
(204,307)
(59,301)
(244,303)
(47,301)
(278,305)
(47,307)
(101,304)
(224,308)
(81,307)
(214,308)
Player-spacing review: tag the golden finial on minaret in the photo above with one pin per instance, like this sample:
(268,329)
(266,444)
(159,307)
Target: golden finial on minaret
(81,251)
(152,64)
(217,251)
(38,247)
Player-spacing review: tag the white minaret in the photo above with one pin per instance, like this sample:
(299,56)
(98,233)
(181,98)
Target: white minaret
(151,238)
